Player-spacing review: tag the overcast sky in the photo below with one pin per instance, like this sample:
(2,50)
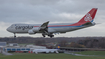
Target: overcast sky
(55,11)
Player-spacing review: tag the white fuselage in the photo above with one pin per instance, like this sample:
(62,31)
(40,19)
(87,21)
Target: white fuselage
(24,28)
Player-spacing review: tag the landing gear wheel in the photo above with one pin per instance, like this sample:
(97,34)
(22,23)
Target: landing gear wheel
(14,36)
(51,36)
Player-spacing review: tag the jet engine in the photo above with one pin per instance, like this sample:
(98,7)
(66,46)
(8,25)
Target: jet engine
(31,32)
(36,29)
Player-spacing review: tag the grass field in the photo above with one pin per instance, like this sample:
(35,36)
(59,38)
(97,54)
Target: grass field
(48,56)
(1,54)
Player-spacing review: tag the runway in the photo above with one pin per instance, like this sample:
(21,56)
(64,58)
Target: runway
(71,53)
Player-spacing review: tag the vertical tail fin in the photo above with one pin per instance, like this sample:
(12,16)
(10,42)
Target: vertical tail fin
(89,17)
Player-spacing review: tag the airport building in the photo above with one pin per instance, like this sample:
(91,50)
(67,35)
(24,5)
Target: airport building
(14,47)
(13,44)
(3,43)
(19,49)
(22,49)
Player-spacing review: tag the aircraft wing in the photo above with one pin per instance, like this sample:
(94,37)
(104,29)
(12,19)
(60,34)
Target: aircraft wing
(44,28)
(44,25)
(45,31)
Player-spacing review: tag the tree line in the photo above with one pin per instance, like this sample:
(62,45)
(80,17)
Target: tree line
(76,42)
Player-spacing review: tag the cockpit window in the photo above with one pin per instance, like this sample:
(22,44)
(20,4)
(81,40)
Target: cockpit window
(13,25)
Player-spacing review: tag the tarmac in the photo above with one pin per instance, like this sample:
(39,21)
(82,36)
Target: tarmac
(80,54)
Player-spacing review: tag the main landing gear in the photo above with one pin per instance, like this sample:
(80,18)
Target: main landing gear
(50,35)
(43,35)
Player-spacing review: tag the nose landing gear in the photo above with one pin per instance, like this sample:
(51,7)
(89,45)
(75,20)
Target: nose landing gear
(50,35)
(14,35)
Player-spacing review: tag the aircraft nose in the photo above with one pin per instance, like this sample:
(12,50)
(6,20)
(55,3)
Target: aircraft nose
(8,29)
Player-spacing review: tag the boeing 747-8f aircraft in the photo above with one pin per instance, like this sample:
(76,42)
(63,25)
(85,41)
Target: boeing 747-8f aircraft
(50,29)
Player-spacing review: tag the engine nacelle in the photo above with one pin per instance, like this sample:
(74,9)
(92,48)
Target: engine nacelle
(31,32)
(36,29)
